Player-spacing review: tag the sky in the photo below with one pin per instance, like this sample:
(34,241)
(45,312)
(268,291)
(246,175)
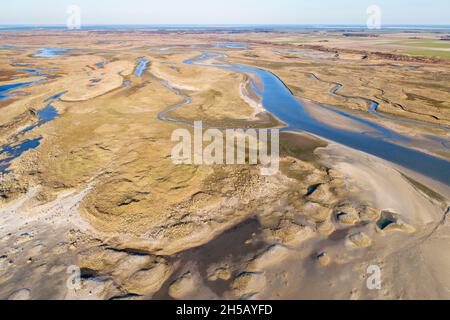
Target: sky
(218,12)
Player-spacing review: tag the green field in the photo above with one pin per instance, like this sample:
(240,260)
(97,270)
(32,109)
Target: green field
(428,53)
(427,44)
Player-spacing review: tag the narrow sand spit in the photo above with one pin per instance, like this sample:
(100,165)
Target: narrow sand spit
(385,187)
(246,96)
(334,119)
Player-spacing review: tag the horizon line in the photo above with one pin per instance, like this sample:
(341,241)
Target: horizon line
(228,24)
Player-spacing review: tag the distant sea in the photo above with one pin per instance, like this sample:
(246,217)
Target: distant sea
(442,28)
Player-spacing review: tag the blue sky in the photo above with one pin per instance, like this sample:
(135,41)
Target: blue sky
(224,11)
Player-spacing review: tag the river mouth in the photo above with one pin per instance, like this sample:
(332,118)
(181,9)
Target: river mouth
(278,100)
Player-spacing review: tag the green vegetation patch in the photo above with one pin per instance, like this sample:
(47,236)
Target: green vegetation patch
(427,44)
(428,53)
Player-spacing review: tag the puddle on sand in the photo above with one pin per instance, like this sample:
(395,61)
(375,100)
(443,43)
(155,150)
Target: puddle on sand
(312,189)
(100,65)
(387,218)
